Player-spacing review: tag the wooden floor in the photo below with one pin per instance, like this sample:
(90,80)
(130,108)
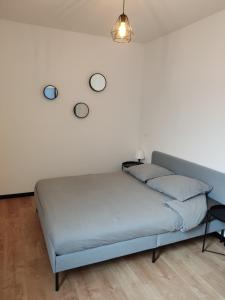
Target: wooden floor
(182,272)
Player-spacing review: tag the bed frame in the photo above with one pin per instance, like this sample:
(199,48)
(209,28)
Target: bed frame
(77,259)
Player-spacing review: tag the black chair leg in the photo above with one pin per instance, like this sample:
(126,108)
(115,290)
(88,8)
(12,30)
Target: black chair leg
(206,227)
(56,282)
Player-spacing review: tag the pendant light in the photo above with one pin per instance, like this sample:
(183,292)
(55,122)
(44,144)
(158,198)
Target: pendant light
(122,31)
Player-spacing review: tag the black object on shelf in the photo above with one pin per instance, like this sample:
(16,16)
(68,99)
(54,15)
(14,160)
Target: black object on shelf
(215,212)
(128,164)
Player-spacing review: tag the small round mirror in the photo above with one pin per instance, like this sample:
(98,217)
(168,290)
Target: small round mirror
(81,110)
(50,92)
(97,82)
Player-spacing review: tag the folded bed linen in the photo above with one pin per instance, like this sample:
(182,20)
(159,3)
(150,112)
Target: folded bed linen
(83,212)
(191,211)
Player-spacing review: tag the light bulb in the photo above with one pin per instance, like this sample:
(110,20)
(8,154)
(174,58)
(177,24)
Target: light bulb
(122,30)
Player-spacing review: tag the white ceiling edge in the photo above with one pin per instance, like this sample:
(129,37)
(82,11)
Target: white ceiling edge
(150,19)
(185,27)
(107,38)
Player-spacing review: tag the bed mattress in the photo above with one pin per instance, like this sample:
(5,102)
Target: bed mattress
(83,212)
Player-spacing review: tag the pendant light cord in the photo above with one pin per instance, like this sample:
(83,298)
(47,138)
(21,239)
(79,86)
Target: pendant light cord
(123,6)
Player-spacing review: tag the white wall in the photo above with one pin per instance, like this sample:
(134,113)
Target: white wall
(40,139)
(183,109)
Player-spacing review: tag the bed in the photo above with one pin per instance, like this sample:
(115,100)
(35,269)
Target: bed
(92,218)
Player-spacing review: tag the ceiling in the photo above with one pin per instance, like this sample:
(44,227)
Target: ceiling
(149,18)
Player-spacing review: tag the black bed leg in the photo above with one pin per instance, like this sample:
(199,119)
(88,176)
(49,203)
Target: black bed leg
(206,227)
(56,282)
(153,256)
(222,236)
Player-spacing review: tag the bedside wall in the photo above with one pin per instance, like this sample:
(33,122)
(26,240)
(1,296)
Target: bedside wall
(183,105)
(183,111)
(41,139)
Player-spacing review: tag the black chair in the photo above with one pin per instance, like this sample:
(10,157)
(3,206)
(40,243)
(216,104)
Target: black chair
(215,212)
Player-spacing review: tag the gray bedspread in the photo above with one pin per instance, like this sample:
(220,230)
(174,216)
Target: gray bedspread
(83,212)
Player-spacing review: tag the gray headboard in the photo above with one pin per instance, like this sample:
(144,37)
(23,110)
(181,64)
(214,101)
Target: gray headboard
(184,167)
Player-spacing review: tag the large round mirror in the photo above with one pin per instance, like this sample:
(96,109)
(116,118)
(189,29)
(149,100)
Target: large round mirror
(50,92)
(81,110)
(97,82)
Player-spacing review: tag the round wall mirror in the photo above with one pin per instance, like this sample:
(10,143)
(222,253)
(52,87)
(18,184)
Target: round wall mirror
(81,110)
(50,92)
(97,82)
